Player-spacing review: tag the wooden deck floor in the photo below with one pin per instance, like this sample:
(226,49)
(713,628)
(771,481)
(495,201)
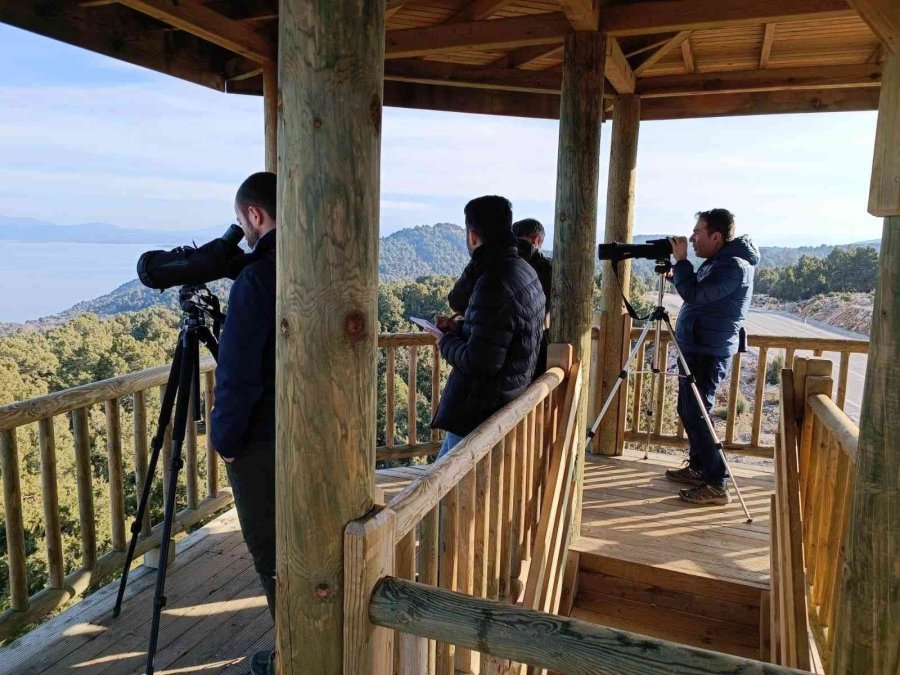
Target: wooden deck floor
(631,512)
(215,619)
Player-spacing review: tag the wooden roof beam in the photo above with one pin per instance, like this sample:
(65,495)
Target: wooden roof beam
(618,71)
(476,10)
(526,56)
(391,7)
(883,17)
(766,51)
(671,16)
(658,55)
(582,14)
(520,31)
(192,17)
(457,75)
(687,55)
(775,79)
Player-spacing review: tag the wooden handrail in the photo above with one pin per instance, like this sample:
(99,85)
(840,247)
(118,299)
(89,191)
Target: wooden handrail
(836,423)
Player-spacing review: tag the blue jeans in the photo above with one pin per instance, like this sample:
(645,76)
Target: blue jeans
(450,441)
(708,371)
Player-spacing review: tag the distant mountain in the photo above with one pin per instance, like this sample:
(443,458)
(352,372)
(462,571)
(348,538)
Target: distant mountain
(31,230)
(423,250)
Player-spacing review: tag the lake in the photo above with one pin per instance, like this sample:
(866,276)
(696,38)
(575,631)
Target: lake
(37,280)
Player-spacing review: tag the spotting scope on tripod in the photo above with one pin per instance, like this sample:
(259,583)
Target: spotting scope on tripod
(659,251)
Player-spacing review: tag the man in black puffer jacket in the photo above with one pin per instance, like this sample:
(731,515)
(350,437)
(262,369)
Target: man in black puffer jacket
(494,350)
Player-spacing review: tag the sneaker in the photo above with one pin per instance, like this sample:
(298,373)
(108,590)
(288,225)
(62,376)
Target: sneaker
(706,495)
(263,663)
(685,475)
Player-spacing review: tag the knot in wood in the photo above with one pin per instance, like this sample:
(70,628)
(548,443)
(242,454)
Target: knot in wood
(355,325)
(562,217)
(317,123)
(285,328)
(323,592)
(402,618)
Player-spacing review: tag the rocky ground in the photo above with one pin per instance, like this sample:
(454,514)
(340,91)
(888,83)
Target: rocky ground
(850,311)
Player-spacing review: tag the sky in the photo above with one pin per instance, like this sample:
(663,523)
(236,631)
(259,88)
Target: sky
(86,138)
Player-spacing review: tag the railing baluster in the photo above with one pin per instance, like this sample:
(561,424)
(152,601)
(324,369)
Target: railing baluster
(429,552)
(518,487)
(528,505)
(412,396)
(843,372)
(435,389)
(15,531)
(638,381)
(116,482)
(760,397)
(661,385)
(494,525)
(410,652)
(447,572)
(390,375)
(844,501)
(789,357)
(465,579)
(212,459)
(85,491)
(140,454)
(482,530)
(506,519)
(825,506)
(733,391)
(192,488)
(50,495)
(166,454)
(817,352)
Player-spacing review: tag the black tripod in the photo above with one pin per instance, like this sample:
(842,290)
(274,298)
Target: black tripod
(657,317)
(201,308)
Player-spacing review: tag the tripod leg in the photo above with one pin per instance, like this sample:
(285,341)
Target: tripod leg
(182,410)
(165,414)
(623,375)
(719,446)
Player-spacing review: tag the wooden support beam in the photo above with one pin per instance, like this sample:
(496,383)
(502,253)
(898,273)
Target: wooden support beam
(884,189)
(190,59)
(582,14)
(877,54)
(520,31)
(620,200)
(197,19)
(883,17)
(331,94)
(618,72)
(476,10)
(658,55)
(774,79)
(867,634)
(575,231)
(270,115)
(454,74)
(671,16)
(766,51)
(523,57)
(687,55)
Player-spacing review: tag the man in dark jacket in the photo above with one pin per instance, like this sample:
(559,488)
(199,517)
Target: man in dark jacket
(494,351)
(243,419)
(716,300)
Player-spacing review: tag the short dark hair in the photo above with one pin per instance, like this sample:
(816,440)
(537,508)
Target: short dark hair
(718,220)
(490,217)
(529,227)
(259,191)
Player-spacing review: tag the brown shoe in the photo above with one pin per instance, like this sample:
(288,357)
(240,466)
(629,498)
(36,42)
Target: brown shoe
(685,475)
(705,495)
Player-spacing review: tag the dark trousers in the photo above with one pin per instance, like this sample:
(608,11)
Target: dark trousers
(708,372)
(252,478)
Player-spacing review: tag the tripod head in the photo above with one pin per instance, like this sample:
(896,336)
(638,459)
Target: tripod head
(663,266)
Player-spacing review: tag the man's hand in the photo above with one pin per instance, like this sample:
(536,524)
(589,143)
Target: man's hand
(227,460)
(448,325)
(679,247)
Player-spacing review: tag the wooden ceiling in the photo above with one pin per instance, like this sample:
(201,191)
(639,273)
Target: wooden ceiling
(685,58)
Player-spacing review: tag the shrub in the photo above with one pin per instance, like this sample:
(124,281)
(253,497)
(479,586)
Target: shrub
(773,370)
(742,404)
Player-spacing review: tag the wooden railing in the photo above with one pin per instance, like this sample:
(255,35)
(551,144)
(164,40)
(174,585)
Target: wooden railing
(410,346)
(815,472)
(491,519)
(666,428)
(129,390)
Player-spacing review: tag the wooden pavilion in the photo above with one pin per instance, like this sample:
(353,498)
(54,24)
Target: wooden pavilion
(326,68)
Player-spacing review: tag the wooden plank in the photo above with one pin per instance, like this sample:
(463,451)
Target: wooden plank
(660,53)
(270,114)
(212,457)
(582,14)
(116,480)
(836,421)
(429,557)
(87,532)
(884,189)
(412,396)
(661,385)
(327,261)
(140,452)
(773,79)
(15,532)
(733,390)
(435,389)
(618,71)
(759,397)
(497,494)
(448,569)
(482,541)
(465,570)
(566,645)
(197,19)
(671,16)
(506,518)
(766,51)
(508,33)
(459,75)
(638,388)
(390,376)
(883,17)
(687,55)
(50,498)
(410,652)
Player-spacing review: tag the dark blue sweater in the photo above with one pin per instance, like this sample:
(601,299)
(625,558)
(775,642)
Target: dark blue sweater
(244,409)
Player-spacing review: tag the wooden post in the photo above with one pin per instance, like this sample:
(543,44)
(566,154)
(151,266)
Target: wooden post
(270,114)
(15,533)
(327,313)
(867,638)
(619,227)
(577,176)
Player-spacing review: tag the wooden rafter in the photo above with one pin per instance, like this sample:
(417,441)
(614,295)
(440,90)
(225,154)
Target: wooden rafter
(766,51)
(520,31)
(670,16)
(192,17)
(774,79)
(453,74)
(582,14)
(877,55)
(618,72)
(883,17)
(476,10)
(687,54)
(525,56)
(658,55)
